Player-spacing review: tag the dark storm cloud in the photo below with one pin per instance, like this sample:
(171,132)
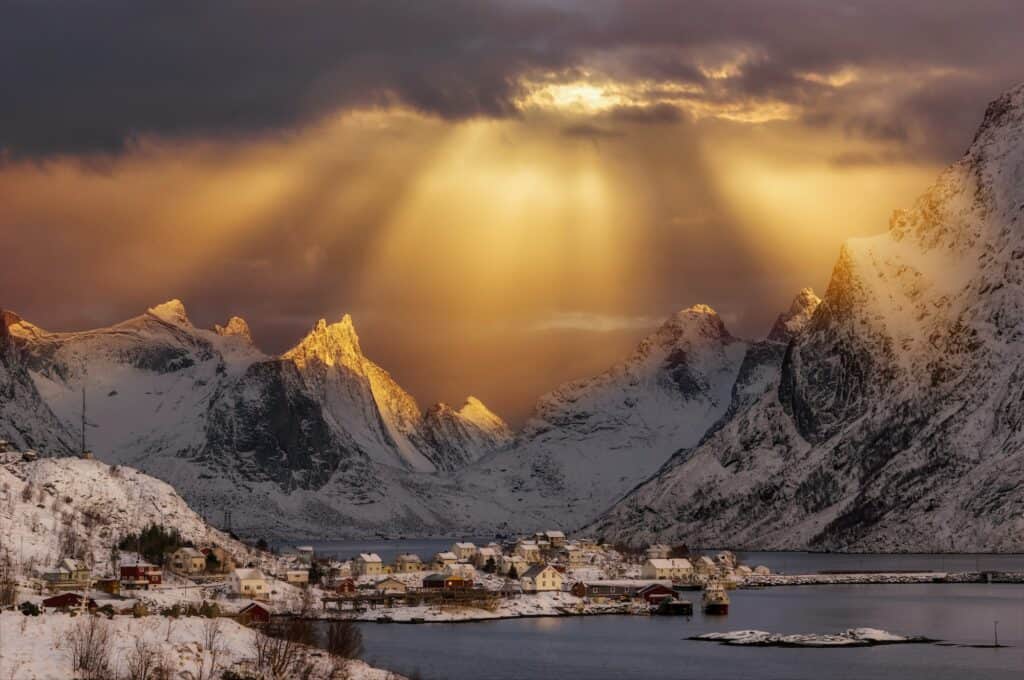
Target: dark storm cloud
(82,77)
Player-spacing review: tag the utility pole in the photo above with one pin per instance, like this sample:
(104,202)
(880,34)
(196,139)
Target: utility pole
(83,421)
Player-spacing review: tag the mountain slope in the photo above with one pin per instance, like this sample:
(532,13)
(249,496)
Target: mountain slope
(896,421)
(26,421)
(84,506)
(318,435)
(591,440)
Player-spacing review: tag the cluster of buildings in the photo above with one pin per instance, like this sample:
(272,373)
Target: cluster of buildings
(135,573)
(659,565)
(533,564)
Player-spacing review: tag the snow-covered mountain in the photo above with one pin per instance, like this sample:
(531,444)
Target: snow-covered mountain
(896,420)
(321,434)
(592,440)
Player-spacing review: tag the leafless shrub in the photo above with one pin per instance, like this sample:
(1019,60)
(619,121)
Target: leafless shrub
(70,542)
(212,634)
(282,650)
(344,639)
(207,662)
(8,590)
(142,661)
(26,493)
(91,645)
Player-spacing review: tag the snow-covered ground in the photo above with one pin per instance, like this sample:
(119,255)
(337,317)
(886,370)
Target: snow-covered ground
(47,504)
(39,647)
(854,637)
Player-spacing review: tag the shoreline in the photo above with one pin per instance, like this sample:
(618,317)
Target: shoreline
(403,615)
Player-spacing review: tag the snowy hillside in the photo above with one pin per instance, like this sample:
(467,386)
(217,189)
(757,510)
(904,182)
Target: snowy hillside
(896,421)
(50,506)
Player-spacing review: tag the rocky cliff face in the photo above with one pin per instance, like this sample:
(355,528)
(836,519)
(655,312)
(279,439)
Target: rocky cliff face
(26,422)
(320,435)
(895,421)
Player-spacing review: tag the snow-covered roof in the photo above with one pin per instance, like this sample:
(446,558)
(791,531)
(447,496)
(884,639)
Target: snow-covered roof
(190,552)
(368,557)
(554,534)
(136,562)
(465,546)
(446,556)
(675,563)
(536,570)
(408,557)
(487,552)
(249,575)
(627,583)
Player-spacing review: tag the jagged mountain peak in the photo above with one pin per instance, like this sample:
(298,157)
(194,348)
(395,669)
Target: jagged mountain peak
(328,343)
(11,323)
(172,311)
(236,327)
(475,411)
(698,325)
(792,321)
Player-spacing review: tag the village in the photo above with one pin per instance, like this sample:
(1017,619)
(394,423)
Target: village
(542,575)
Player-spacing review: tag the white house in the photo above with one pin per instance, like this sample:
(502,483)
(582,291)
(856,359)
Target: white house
(368,564)
(555,538)
(529,551)
(408,562)
(464,571)
(305,553)
(506,563)
(464,551)
(297,577)
(249,583)
(484,554)
(541,578)
(188,561)
(390,586)
(574,556)
(674,569)
(445,559)
(705,565)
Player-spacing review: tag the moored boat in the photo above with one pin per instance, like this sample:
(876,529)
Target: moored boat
(716,600)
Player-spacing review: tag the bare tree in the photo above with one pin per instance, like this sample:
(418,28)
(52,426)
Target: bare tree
(207,663)
(91,645)
(282,650)
(344,639)
(142,661)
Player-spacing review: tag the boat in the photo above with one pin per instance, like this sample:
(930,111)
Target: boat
(385,619)
(716,600)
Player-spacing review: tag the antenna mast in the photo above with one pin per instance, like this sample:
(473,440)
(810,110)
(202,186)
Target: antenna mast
(83,421)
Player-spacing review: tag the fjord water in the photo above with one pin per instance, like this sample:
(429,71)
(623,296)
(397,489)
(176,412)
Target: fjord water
(654,648)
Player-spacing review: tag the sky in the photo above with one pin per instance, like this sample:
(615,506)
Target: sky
(504,194)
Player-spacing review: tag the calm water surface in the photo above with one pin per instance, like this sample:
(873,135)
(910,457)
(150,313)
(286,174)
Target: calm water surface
(651,648)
